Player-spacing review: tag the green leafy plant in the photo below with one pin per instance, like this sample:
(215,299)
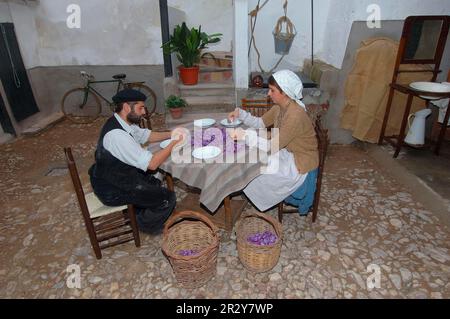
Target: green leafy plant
(173,102)
(188,44)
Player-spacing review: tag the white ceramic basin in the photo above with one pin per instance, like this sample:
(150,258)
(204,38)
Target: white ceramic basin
(431,87)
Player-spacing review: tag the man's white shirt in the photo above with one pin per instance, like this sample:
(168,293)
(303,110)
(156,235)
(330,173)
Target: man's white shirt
(126,145)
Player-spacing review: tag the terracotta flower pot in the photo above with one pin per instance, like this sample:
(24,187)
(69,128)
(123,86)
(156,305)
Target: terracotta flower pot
(189,76)
(176,113)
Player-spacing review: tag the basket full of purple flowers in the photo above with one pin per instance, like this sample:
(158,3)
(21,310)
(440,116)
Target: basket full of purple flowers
(259,239)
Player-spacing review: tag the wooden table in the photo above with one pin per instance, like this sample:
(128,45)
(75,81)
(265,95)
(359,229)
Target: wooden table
(217,182)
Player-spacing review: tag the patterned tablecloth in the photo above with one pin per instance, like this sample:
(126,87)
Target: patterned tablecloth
(215,180)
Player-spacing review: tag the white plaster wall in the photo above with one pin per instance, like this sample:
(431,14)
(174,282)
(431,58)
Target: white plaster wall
(342,14)
(113,32)
(299,13)
(214,16)
(5,16)
(333,20)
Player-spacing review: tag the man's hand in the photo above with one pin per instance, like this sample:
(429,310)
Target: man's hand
(177,141)
(233,116)
(161,156)
(179,134)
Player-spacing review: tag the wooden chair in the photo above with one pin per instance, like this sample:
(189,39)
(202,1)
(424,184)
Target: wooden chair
(145,121)
(106,226)
(323,141)
(413,51)
(257,107)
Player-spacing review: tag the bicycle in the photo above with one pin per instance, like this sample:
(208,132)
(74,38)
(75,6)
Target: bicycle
(83,105)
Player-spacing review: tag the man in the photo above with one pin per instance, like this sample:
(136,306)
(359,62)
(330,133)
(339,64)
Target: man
(121,174)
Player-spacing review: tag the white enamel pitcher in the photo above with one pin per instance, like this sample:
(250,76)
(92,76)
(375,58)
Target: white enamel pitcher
(416,133)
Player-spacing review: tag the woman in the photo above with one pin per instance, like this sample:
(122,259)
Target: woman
(298,153)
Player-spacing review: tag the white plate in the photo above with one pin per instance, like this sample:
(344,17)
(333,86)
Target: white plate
(206,152)
(165,143)
(204,123)
(236,123)
(431,87)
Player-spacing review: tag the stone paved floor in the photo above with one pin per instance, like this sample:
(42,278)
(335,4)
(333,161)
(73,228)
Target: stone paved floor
(365,218)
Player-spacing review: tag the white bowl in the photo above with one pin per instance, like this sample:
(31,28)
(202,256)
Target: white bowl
(206,152)
(236,123)
(431,87)
(204,123)
(166,143)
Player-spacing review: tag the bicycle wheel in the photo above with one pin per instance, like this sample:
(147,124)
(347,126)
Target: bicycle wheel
(80,108)
(150,103)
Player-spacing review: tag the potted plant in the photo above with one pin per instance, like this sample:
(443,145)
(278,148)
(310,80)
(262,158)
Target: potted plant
(175,105)
(188,44)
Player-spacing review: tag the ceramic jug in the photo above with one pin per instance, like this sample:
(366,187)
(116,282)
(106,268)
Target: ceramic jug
(416,133)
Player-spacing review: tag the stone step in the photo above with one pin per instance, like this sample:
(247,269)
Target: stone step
(210,100)
(207,68)
(207,89)
(5,138)
(44,123)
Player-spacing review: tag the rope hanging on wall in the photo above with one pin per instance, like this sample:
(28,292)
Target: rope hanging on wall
(283,40)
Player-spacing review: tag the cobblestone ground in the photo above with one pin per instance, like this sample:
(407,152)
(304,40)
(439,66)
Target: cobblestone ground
(365,219)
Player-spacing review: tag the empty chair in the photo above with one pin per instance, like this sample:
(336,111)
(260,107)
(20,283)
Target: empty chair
(106,226)
(322,140)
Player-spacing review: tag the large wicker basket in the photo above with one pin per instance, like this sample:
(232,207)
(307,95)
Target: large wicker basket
(258,258)
(190,230)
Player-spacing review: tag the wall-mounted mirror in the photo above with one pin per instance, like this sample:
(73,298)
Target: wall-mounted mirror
(424,37)
(423,40)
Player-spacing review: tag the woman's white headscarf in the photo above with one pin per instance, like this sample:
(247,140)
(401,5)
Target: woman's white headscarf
(291,84)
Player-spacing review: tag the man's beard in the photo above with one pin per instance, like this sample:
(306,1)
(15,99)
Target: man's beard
(133,118)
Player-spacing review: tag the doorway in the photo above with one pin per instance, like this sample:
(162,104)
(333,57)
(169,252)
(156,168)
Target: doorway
(14,77)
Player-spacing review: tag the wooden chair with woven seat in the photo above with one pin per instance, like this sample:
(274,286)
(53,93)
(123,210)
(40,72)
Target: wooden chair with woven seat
(257,107)
(322,140)
(106,226)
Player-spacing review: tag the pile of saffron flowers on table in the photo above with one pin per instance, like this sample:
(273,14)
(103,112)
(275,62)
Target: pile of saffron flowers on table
(218,137)
(263,239)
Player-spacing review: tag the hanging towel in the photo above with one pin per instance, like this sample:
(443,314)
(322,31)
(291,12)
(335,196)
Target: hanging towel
(367,90)
(303,197)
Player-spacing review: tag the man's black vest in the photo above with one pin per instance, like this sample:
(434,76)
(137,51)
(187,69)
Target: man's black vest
(112,178)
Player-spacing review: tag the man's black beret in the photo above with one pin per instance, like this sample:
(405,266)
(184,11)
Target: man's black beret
(129,95)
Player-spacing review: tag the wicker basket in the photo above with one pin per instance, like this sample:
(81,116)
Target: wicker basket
(258,258)
(190,230)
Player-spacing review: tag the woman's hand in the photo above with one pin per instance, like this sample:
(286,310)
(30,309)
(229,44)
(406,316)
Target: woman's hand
(233,115)
(238,134)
